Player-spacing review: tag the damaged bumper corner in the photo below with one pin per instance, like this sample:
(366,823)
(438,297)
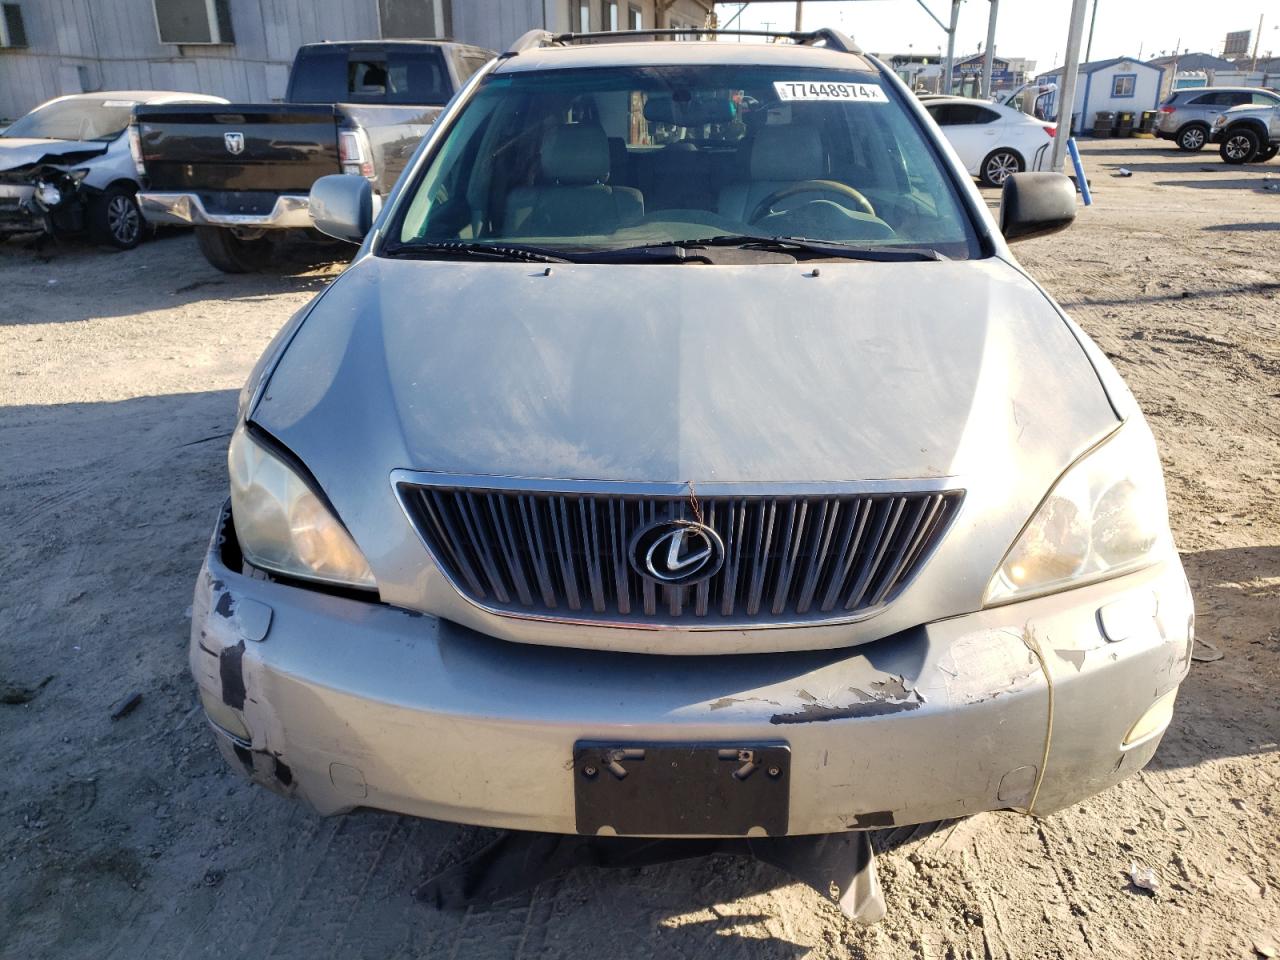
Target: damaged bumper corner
(346,703)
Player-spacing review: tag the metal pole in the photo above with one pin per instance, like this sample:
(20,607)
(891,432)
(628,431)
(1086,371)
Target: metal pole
(950,63)
(799,7)
(1067,91)
(991,49)
(1256,38)
(1088,47)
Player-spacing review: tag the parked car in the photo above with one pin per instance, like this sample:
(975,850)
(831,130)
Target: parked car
(993,141)
(240,174)
(739,485)
(1187,116)
(1247,134)
(65,167)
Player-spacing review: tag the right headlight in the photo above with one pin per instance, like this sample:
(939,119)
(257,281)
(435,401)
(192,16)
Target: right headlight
(285,526)
(1106,515)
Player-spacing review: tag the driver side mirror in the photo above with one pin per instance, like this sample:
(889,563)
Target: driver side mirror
(1035,205)
(341,206)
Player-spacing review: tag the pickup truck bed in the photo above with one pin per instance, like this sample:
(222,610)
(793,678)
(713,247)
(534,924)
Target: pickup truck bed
(245,169)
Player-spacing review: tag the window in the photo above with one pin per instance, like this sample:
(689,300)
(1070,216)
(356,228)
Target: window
(410,75)
(12,31)
(597,159)
(1261,99)
(635,18)
(194,21)
(609,15)
(1122,85)
(469,64)
(961,114)
(415,19)
(579,16)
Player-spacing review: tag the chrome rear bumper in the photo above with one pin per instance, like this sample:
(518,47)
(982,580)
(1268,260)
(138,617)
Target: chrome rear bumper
(187,209)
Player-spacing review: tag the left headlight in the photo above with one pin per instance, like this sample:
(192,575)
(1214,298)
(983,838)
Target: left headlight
(1106,515)
(286,527)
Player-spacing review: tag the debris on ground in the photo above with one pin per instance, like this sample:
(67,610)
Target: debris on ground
(1202,651)
(1124,172)
(1144,878)
(127,705)
(16,694)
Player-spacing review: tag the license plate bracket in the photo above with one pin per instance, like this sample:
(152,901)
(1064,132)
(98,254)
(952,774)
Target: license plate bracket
(682,789)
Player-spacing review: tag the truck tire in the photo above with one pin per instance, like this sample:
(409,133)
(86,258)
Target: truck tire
(114,218)
(1193,137)
(1241,145)
(222,248)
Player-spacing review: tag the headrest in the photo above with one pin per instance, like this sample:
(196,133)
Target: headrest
(575,153)
(689,113)
(787,152)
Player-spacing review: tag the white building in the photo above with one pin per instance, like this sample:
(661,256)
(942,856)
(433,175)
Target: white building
(1116,85)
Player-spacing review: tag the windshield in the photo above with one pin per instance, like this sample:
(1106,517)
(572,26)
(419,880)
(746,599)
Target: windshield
(101,120)
(604,159)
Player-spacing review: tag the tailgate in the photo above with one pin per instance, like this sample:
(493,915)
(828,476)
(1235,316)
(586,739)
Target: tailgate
(277,147)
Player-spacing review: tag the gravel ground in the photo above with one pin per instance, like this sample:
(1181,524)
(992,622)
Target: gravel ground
(128,838)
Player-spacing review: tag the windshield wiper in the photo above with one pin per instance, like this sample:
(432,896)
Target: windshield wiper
(820,248)
(470,248)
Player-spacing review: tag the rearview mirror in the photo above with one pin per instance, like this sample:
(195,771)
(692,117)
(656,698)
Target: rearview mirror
(342,206)
(1034,205)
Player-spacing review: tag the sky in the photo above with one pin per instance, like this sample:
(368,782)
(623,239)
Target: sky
(1029,28)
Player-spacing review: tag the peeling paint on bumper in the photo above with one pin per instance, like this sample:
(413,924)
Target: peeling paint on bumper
(350,704)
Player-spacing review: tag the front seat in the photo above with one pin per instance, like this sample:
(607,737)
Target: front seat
(781,156)
(573,196)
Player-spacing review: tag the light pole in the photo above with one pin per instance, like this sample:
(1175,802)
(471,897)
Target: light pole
(1067,92)
(987,60)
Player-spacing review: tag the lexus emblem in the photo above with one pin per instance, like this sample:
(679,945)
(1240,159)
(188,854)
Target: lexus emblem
(234,142)
(676,552)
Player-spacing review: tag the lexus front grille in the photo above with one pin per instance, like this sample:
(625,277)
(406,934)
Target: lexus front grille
(530,550)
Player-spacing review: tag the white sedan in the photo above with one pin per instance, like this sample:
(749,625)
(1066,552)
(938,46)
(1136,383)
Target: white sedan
(993,141)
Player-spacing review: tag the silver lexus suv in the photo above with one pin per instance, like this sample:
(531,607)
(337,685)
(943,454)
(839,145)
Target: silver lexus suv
(684,453)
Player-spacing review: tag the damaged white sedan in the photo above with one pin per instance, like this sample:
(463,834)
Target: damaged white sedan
(684,454)
(68,168)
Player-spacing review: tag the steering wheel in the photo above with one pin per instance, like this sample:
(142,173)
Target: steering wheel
(812,186)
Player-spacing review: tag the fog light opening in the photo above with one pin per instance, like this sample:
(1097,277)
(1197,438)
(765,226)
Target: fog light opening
(1151,723)
(224,718)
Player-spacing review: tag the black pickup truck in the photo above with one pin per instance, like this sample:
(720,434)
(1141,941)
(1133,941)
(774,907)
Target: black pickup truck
(240,172)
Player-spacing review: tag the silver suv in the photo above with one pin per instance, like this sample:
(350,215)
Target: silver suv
(1187,116)
(685,453)
(1247,134)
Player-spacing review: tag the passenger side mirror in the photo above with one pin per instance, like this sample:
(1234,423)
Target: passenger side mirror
(342,206)
(1034,205)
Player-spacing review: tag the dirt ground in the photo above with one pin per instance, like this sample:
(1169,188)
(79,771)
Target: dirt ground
(129,838)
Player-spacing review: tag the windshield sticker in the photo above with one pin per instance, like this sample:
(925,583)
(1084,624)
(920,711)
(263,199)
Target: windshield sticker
(808,90)
(119,103)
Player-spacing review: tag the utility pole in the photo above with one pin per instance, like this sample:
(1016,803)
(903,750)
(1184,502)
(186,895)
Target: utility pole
(950,64)
(1067,92)
(991,49)
(1256,38)
(1088,47)
(799,7)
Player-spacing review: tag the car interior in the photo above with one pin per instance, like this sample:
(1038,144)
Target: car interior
(613,166)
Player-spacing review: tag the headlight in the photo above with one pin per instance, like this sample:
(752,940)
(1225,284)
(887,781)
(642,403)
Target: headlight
(1105,516)
(283,525)
(1219,120)
(48,194)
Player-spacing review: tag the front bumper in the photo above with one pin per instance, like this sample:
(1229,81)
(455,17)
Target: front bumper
(17,208)
(350,704)
(187,209)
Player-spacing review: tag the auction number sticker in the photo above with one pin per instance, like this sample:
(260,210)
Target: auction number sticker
(848,92)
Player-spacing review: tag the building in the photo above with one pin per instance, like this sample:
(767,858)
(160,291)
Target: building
(241,49)
(1007,73)
(1116,85)
(1190,70)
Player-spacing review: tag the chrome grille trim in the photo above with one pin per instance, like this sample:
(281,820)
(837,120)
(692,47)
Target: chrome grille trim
(794,553)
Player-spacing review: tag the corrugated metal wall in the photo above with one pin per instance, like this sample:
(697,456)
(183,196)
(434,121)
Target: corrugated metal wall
(92,45)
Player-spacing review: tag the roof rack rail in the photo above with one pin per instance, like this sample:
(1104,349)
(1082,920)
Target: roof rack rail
(825,37)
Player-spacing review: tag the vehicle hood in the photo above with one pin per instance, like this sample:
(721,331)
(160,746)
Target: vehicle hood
(22,152)
(704,373)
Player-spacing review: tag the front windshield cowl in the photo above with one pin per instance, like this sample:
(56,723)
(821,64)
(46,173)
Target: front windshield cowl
(581,162)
